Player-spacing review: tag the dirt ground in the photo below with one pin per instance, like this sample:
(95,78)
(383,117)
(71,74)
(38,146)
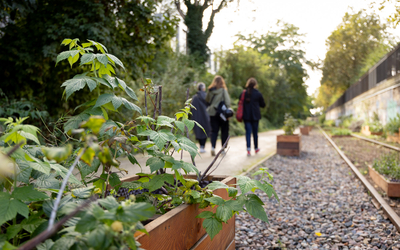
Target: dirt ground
(363,153)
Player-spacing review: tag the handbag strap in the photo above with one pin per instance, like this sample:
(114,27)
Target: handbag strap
(243,94)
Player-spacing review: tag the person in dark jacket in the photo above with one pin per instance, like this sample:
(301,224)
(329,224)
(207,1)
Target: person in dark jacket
(201,116)
(253,100)
(218,92)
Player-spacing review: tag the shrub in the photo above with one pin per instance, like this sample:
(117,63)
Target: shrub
(321,119)
(290,124)
(375,125)
(389,166)
(340,131)
(393,125)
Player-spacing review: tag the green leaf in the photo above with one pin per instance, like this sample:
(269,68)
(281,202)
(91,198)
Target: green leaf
(32,222)
(117,102)
(94,123)
(224,212)
(130,105)
(73,59)
(66,41)
(146,119)
(102,59)
(187,145)
(74,121)
(216,185)
(114,180)
(13,230)
(64,243)
(24,171)
(47,181)
(132,185)
(215,200)
(89,57)
(43,167)
(10,207)
(120,83)
(266,188)
(155,164)
(235,205)
(87,223)
(27,193)
(245,183)
(29,136)
(109,203)
(82,193)
(115,60)
(45,245)
(66,54)
(78,82)
(57,154)
(232,191)
(212,226)
(255,207)
(160,139)
(205,215)
(180,125)
(131,93)
(189,168)
(102,81)
(158,181)
(111,80)
(103,99)
(86,169)
(61,170)
(137,212)
(189,124)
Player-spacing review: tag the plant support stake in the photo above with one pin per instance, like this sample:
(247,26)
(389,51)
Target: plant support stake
(60,192)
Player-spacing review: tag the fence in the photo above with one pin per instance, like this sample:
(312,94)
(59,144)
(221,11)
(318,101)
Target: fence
(386,68)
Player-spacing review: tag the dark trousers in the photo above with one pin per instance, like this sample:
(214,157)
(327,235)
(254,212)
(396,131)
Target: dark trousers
(202,142)
(216,124)
(251,126)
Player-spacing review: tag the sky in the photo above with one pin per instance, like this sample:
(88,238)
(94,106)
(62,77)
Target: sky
(317,19)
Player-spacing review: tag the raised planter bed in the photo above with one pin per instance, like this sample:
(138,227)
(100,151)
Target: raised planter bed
(392,189)
(180,229)
(365,130)
(289,145)
(393,138)
(305,130)
(339,136)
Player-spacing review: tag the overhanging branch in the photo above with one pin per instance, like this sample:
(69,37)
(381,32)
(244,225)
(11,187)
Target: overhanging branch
(178,7)
(210,25)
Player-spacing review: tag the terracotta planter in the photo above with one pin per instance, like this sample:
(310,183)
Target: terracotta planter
(180,229)
(365,130)
(393,138)
(289,145)
(304,130)
(392,189)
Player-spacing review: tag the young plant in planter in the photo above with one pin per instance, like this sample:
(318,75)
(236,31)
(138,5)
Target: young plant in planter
(392,129)
(289,144)
(93,218)
(373,127)
(385,172)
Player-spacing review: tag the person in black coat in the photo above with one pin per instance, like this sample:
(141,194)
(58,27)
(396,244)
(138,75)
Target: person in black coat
(201,116)
(253,100)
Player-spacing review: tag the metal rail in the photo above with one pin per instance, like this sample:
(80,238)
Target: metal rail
(394,218)
(377,142)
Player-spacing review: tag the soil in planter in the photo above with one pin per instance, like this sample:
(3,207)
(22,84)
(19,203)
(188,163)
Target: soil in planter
(362,153)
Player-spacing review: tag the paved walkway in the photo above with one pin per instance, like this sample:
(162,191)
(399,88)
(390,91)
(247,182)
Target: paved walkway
(235,162)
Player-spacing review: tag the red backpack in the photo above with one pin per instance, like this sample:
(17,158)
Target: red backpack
(239,113)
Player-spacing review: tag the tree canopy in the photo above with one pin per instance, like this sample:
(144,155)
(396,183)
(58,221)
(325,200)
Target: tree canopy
(357,44)
(31,32)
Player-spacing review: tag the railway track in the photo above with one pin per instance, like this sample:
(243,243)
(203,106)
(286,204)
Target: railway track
(392,215)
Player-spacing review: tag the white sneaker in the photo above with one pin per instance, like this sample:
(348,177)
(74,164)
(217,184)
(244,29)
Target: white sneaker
(202,150)
(212,152)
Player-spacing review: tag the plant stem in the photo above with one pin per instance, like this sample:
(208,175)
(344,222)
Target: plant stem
(215,158)
(106,184)
(60,192)
(155,111)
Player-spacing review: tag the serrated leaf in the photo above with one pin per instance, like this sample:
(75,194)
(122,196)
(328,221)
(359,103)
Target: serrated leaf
(87,223)
(189,124)
(43,167)
(29,136)
(189,168)
(102,59)
(212,226)
(180,125)
(78,83)
(215,200)
(137,212)
(27,193)
(103,99)
(10,207)
(85,169)
(245,183)
(47,181)
(94,123)
(66,41)
(224,212)
(62,171)
(102,81)
(254,207)
(74,121)
(89,57)
(131,93)
(266,188)
(62,56)
(121,83)
(64,243)
(82,193)
(160,139)
(57,154)
(24,171)
(205,215)
(130,105)
(12,231)
(117,102)
(232,191)
(116,60)
(73,58)
(31,223)
(216,185)
(112,81)
(155,164)
(158,181)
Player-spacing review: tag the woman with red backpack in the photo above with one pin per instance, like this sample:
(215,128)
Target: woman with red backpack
(251,100)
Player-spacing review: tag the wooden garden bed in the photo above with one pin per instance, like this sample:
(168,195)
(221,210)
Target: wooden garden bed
(304,130)
(289,145)
(365,130)
(180,229)
(392,189)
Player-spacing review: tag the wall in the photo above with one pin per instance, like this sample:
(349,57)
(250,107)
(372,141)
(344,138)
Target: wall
(384,99)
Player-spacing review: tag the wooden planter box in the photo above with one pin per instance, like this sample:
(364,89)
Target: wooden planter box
(289,145)
(392,189)
(310,128)
(393,138)
(304,130)
(365,131)
(180,229)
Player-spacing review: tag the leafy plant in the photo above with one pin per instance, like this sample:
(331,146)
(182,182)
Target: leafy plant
(340,131)
(375,125)
(392,127)
(290,124)
(389,166)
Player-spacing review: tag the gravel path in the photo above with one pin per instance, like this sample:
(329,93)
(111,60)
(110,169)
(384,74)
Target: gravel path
(322,206)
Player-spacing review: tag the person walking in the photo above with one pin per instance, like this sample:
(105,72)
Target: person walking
(253,100)
(200,115)
(218,92)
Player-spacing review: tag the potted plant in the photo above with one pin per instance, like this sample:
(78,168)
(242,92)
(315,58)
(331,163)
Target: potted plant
(385,172)
(289,144)
(392,129)
(41,197)
(373,127)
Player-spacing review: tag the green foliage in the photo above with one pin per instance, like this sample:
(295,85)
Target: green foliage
(393,125)
(359,42)
(290,124)
(374,124)
(346,121)
(329,123)
(132,30)
(321,119)
(389,166)
(340,131)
